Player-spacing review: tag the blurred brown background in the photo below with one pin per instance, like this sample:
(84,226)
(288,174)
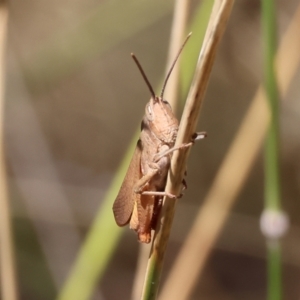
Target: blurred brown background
(71,113)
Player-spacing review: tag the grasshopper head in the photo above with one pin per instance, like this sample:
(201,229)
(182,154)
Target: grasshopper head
(161,120)
(159,117)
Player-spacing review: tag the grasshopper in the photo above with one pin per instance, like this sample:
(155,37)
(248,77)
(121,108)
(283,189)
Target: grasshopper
(140,197)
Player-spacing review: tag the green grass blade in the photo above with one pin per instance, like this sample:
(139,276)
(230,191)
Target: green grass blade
(99,245)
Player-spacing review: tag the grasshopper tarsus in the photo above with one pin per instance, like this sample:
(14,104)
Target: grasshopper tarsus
(180,196)
(144,238)
(199,136)
(184,184)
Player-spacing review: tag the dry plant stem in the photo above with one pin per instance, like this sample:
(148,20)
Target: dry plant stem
(217,24)
(231,175)
(8,277)
(177,36)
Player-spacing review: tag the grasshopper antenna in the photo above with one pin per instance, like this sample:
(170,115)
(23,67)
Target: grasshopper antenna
(144,75)
(172,66)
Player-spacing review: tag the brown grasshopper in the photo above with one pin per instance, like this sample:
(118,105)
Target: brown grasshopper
(141,194)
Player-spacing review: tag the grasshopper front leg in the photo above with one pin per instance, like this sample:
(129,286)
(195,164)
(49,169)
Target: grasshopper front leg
(158,164)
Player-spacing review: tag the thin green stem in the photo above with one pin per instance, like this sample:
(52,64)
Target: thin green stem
(274,271)
(272,181)
(272,172)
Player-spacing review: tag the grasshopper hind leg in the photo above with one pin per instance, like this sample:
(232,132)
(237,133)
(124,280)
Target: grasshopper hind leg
(158,204)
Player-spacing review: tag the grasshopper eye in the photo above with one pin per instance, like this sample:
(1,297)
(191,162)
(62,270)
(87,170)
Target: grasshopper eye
(149,109)
(149,112)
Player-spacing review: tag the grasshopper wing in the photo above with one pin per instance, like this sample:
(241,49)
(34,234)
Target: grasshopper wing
(124,203)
